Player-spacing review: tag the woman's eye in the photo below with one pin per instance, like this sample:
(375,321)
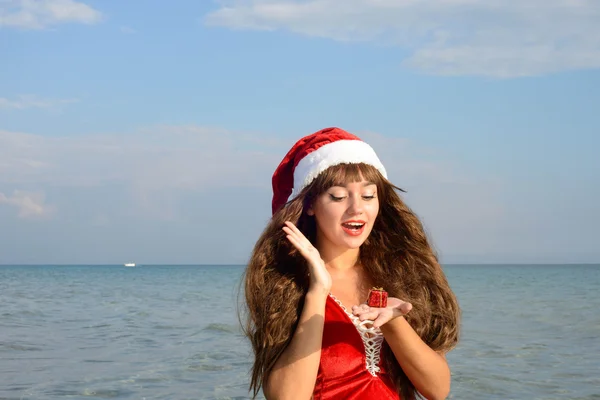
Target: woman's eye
(335,198)
(370,197)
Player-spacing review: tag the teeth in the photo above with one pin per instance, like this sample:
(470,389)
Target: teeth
(354,224)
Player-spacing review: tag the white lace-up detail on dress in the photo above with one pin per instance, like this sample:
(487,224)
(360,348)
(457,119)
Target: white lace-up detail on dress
(372,339)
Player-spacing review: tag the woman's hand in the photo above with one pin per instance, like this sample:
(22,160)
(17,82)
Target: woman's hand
(319,276)
(380,316)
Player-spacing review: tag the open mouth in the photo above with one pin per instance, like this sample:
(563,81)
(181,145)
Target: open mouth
(353,228)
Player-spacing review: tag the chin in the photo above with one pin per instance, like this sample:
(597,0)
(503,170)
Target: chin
(354,243)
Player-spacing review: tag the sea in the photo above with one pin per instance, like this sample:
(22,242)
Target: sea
(172,332)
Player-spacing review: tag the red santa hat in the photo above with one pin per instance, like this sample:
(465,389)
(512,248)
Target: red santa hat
(312,155)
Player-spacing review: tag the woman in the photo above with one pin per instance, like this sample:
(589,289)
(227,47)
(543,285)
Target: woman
(344,231)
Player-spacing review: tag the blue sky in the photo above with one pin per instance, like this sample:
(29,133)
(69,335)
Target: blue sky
(149,132)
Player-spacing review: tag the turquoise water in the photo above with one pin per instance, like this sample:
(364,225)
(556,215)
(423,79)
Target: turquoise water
(171,332)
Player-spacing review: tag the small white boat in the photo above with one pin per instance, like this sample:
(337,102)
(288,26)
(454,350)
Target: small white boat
(129,264)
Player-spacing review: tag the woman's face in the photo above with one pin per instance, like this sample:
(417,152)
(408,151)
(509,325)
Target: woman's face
(345,215)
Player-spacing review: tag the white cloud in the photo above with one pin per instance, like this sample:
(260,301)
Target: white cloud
(100,220)
(495,38)
(156,165)
(184,157)
(29,204)
(162,157)
(196,193)
(39,14)
(30,101)
(127,30)
(161,166)
(459,209)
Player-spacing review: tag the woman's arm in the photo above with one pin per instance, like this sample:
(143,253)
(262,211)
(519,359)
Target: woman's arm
(427,370)
(295,372)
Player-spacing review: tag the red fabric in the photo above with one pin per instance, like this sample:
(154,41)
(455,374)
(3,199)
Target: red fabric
(283,178)
(342,373)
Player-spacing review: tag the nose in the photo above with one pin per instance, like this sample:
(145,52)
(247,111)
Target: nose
(356,205)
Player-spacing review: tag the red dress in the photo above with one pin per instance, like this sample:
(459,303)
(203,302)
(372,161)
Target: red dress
(351,367)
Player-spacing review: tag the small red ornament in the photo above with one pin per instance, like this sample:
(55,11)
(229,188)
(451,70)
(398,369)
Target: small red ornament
(377,298)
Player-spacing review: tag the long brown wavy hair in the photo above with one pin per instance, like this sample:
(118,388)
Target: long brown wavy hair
(396,255)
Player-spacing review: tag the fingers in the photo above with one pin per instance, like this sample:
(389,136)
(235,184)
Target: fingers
(294,241)
(364,312)
(293,227)
(360,308)
(297,238)
(380,316)
(292,230)
(405,308)
(299,244)
(381,320)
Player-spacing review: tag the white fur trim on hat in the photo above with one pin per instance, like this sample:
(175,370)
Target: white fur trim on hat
(338,152)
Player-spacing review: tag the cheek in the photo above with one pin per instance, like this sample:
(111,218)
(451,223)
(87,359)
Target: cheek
(327,218)
(373,209)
